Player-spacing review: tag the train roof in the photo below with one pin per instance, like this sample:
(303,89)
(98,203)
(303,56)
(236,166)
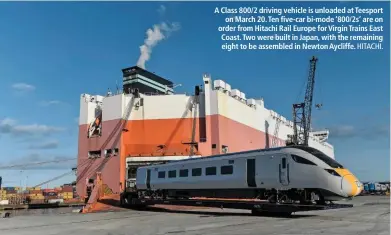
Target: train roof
(243,152)
(318,154)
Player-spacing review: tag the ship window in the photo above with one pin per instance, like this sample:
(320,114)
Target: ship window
(210,171)
(183,173)
(302,160)
(94,154)
(196,172)
(227,170)
(161,174)
(172,174)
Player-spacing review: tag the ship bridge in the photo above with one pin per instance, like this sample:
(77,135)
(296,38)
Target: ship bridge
(145,82)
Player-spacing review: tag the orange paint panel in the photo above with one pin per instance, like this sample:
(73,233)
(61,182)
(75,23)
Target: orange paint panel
(146,137)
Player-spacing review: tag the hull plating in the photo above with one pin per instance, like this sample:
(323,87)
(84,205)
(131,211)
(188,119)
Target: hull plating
(159,137)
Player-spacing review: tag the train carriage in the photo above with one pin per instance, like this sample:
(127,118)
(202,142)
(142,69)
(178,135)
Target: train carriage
(294,173)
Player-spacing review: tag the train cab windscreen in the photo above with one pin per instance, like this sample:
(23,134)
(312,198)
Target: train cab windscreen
(320,155)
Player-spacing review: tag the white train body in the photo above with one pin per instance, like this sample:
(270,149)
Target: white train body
(247,174)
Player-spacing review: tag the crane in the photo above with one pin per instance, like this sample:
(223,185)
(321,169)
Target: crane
(276,130)
(195,107)
(55,178)
(25,165)
(302,111)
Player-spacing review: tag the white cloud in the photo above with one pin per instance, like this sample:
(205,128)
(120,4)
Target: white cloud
(36,161)
(366,131)
(10,126)
(50,102)
(161,9)
(47,145)
(23,87)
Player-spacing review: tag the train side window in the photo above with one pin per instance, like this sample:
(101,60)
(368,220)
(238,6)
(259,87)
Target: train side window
(184,173)
(210,170)
(302,160)
(283,163)
(196,172)
(172,174)
(162,174)
(227,170)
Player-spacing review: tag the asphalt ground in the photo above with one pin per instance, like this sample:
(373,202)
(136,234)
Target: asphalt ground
(370,215)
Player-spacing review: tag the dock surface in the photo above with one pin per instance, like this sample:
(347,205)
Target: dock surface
(370,215)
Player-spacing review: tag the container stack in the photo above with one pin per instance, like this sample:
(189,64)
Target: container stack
(33,188)
(36,196)
(50,194)
(11,192)
(3,197)
(3,194)
(66,192)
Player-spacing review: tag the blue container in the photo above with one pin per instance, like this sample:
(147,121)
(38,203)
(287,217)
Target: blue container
(366,187)
(9,188)
(371,187)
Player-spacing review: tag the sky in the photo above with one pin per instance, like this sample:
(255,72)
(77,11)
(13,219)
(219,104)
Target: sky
(52,52)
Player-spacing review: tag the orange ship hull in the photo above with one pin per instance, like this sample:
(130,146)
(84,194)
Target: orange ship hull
(160,137)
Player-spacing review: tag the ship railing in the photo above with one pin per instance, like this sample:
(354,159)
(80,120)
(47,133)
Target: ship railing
(159,94)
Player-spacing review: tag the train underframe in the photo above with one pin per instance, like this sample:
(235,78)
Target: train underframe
(272,202)
(294,196)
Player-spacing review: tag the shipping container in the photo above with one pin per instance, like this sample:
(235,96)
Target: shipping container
(366,187)
(12,192)
(377,187)
(67,189)
(371,187)
(4,202)
(55,201)
(48,190)
(40,197)
(37,201)
(35,192)
(8,188)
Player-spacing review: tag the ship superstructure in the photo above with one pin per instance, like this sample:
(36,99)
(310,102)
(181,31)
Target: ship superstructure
(147,122)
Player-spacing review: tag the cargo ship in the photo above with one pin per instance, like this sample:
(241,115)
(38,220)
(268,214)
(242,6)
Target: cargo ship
(147,122)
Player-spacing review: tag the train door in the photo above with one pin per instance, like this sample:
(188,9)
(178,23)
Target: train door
(284,170)
(251,173)
(148,179)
